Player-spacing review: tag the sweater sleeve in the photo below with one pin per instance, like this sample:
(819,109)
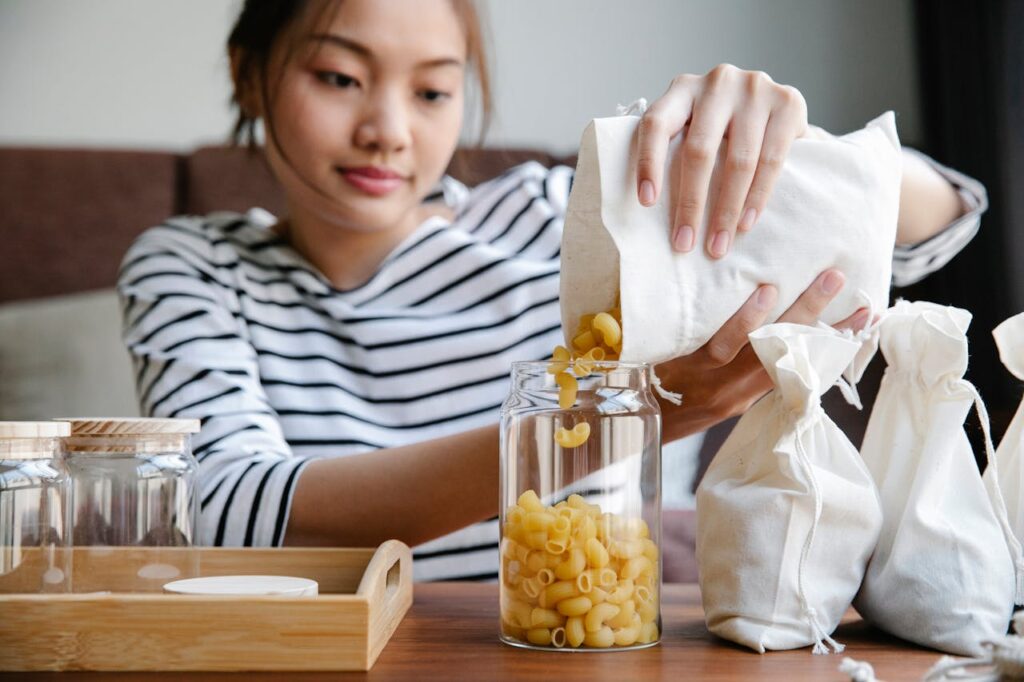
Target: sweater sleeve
(913,262)
(192,359)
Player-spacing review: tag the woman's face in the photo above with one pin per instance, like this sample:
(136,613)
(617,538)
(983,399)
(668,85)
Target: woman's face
(366,104)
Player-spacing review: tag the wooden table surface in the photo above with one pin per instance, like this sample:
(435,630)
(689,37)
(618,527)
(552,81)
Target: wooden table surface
(451,634)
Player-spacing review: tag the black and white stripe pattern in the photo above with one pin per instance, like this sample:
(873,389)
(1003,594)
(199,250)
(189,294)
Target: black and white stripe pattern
(228,324)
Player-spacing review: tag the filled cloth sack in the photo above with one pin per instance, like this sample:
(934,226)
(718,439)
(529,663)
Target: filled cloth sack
(787,514)
(835,205)
(942,574)
(1009,338)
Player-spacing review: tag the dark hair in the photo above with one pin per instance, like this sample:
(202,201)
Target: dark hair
(261,23)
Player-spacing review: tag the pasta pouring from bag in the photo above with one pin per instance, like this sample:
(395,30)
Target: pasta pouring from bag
(835,205)
(598,337)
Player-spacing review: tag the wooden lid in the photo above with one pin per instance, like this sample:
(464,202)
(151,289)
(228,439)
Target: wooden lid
(34,430)
(98,426)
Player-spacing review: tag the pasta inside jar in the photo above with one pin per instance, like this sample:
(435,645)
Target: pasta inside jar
(576,577)
(582,573)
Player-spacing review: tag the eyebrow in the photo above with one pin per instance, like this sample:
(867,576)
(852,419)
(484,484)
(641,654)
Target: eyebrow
(363,50)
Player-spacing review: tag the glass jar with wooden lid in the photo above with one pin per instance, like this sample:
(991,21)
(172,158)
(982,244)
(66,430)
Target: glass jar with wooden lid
(34,555)
(135,502)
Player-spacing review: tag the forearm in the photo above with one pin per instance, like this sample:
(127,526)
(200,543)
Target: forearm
(928,203)
(413,493)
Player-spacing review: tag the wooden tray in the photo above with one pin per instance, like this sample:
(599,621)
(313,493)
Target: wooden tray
(364,594)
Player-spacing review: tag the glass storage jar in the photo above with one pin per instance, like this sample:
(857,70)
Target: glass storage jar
(34,552)
(580,512)
(135,496)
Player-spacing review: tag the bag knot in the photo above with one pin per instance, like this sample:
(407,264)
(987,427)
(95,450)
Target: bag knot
(859,671)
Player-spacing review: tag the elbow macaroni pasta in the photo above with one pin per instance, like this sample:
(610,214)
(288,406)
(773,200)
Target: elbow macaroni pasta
(609,329)
(574,438)
(589,580)
(597,338)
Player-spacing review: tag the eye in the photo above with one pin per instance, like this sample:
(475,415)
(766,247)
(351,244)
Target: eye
(433,96)
(336,80)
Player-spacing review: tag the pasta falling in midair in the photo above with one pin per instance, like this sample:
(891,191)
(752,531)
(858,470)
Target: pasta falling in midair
(597,338)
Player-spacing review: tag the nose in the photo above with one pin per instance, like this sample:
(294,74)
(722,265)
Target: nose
(384,126)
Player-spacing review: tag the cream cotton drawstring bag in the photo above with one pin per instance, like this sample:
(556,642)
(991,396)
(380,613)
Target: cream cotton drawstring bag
(1009,338)
(942,574)
(835,205)
(787,514)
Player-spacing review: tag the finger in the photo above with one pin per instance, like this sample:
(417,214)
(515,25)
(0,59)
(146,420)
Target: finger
(699,151)
(746,134)
(731,338)
(660,122)
(807,308)
(785,124)
(855,322)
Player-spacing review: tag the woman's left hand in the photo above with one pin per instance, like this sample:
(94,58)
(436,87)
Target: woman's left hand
(724,377)
(758,117)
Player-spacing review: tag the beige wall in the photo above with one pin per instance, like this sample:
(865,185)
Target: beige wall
(151,73)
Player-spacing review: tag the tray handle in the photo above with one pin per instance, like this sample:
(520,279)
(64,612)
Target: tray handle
(387,587)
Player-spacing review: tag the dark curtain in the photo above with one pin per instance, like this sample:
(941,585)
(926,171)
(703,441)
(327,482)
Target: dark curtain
(971,60)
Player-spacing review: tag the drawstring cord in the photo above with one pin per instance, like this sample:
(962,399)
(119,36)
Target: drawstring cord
(1005,661)
(996,494)
(868,339)
(821,638)
(849,392)
(636,108)
(670,396)
(859,671)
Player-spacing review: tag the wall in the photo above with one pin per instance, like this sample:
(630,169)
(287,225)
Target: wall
(145,73)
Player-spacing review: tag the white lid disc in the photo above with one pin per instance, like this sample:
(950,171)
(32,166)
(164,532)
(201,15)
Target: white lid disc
(246,585)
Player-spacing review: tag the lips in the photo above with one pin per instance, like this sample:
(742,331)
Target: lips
(373,180)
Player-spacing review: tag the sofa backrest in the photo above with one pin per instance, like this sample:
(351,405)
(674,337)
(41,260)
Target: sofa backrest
(68,216)
(227,179)
(235,179)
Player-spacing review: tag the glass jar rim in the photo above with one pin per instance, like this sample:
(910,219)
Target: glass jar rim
(120,445)
(603,364)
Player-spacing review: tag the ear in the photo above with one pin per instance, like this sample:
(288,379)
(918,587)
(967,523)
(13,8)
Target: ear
(246,82)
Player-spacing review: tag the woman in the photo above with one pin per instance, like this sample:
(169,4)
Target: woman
(347,361)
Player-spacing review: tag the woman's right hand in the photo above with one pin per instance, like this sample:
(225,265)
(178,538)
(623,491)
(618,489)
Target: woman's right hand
(755,118)
(724,377)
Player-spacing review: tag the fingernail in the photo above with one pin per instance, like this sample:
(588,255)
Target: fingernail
(831,283)
(747,222)
(684,238)
(646,192)
(720,244)
(765,297)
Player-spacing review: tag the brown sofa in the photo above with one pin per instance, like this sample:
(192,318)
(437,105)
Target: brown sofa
(67,217)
